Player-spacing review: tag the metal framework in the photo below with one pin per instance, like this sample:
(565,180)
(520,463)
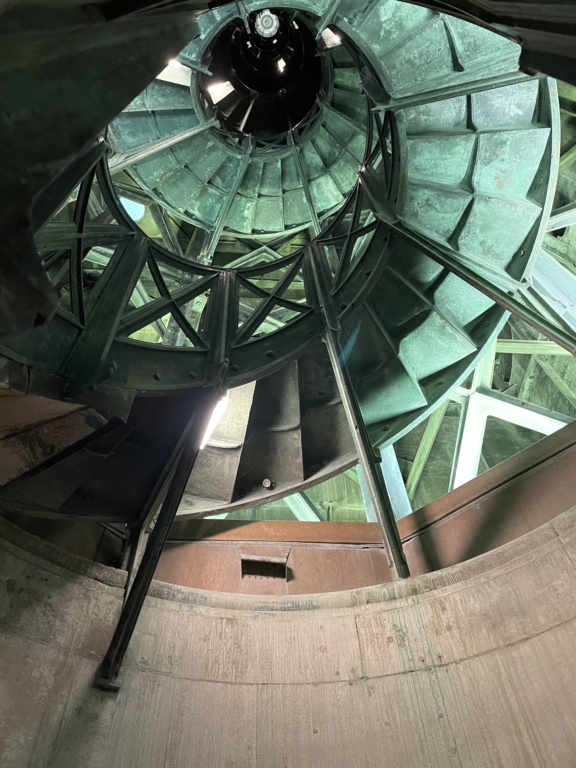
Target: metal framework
(480,402)
(139,586)
(143,312)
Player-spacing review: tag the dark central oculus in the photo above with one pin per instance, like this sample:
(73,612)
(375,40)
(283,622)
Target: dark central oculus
(266,75)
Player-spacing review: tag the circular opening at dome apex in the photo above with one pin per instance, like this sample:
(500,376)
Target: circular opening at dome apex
(267,23)
(265,74)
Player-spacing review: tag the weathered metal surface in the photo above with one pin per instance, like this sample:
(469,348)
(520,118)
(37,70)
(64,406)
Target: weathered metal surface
(497,507)
(374,480)
(500,505)
(182,463)
(207,180)
(310,569)
(47,428)
(276,531)
(546,31)
(35,64)
(88,478)
(86,539)
(412,330)
(216,468)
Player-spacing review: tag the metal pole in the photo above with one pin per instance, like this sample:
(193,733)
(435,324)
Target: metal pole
(108,671)
(367,457)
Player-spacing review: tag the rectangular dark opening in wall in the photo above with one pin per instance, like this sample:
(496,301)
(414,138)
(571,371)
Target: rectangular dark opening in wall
(263,569)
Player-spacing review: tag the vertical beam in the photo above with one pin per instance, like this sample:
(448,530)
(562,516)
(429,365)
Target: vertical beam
(304,508)
(207,252)
(562,218)
(395,483)
(378,491)
(108,672)
(468,449)
(222,320)
(366,498)
(505,295)
(87,362)
(54,195)
(305,185)
(481,402)
(472,424)
(424,449)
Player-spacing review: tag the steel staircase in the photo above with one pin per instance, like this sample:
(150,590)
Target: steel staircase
(420,327)
(456,157)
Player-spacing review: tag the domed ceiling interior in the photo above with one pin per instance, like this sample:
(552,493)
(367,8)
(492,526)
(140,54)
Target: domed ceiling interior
(380,169)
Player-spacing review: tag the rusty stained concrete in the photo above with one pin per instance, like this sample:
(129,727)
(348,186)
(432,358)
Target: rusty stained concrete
(472,666)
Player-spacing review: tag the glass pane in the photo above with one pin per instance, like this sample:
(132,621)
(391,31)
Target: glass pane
(247,303)
(503,440)
(360,247)
(176,278)
(296,291)
(93,265)
(278,318)
(429,475)
(149,334)
(96,205)
(195,312)
(268,281)
(145,290)
(175,336)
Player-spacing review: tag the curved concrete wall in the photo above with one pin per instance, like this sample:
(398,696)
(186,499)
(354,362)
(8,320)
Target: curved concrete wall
(471,666)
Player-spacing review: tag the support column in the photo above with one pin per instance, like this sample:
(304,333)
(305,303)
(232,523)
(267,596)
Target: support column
(88,363)
(368,460)
(108,672)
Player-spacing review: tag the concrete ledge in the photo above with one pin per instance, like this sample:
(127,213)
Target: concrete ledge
(48,553)
(470,667)
(500,560)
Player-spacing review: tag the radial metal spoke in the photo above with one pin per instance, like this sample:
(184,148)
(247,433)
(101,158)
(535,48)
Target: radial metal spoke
(305,186)
(208,251)
(457,90)
(119,162)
